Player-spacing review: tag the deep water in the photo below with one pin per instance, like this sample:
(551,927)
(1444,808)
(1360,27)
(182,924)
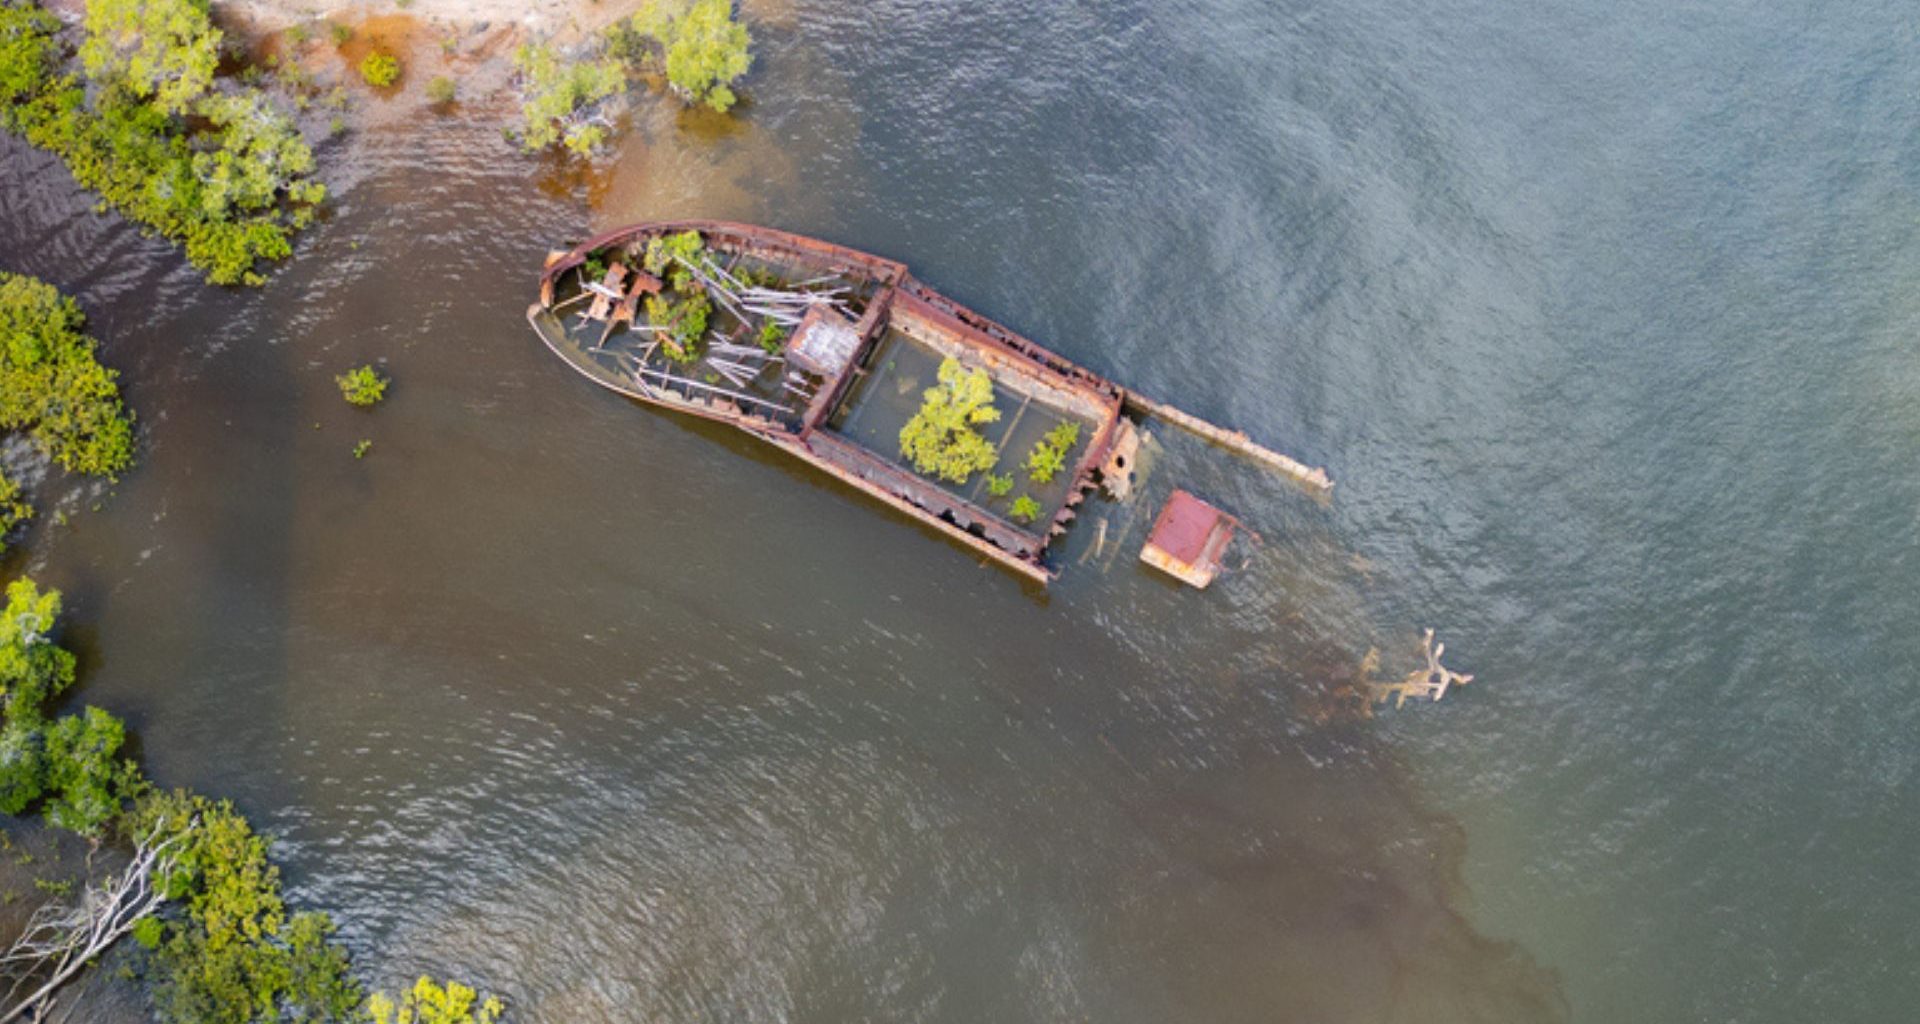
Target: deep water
(1601,315)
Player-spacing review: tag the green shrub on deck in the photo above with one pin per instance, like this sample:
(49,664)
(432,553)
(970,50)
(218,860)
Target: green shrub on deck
(940,439)
(1049,455)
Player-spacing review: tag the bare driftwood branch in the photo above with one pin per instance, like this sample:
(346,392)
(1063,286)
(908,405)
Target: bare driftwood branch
(1431,682)
(61,939)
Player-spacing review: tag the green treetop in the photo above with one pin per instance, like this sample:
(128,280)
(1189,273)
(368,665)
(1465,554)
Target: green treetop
(51,386)
(940,439)
(26,51)
(706,50)
(430,1003)
(559,96)
(84,778)
(32,667)
(261,154)
(163,49)
(235,956)
(380,69)
(362,386)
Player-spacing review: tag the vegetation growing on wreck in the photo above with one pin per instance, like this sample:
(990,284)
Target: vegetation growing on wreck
(560,98)
(1049,454)
(219,943)
(699,45)
(772,336)
(222,172)
(675,256)
(940,439)
(682,321)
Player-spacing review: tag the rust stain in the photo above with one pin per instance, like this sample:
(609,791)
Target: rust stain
(1187,541)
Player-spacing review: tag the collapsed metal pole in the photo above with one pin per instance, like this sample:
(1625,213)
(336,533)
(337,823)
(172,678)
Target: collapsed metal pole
(1312,477)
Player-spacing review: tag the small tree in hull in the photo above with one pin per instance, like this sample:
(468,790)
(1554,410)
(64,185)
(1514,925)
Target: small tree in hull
(940,439)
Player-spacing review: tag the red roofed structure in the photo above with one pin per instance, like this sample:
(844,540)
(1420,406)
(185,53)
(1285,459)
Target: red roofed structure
(1188,540)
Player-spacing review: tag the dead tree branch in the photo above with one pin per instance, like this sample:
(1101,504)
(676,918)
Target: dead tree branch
(61,938)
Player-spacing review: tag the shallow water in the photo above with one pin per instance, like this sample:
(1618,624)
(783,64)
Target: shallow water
(1599,314)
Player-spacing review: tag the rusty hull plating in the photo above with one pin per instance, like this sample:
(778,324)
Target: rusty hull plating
(896,302)
(809,412)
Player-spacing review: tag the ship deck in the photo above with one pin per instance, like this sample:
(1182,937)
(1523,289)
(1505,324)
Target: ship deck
(843,415)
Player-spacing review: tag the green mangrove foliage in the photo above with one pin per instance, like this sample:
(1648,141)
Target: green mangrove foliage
(940,439)
(702,49)
(33,670)
(683,324)
(683,320)
(559,98)
(163,51)
(999,484)
(69,765)
(14,509)
(1049,454)
(231,954)
(85,779)
(442,90)
(226,174)
(225,949)
(1025,509)
(260,153)
(52,387)
(362,386)
(431,1003)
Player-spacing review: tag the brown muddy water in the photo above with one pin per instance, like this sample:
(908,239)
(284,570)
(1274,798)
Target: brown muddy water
(627,718)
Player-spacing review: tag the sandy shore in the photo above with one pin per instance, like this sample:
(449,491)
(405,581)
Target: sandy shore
(541,17)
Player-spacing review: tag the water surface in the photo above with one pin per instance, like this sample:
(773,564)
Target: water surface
(1601,316)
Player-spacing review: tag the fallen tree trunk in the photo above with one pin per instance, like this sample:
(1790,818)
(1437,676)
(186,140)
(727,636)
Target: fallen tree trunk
(60,940)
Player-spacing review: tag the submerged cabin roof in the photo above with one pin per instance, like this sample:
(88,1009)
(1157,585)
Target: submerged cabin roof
(1188,539)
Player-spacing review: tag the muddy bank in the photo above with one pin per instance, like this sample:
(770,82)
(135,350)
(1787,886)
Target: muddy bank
(554,17)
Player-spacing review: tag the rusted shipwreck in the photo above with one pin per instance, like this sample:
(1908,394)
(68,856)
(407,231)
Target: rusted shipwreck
(824,352)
